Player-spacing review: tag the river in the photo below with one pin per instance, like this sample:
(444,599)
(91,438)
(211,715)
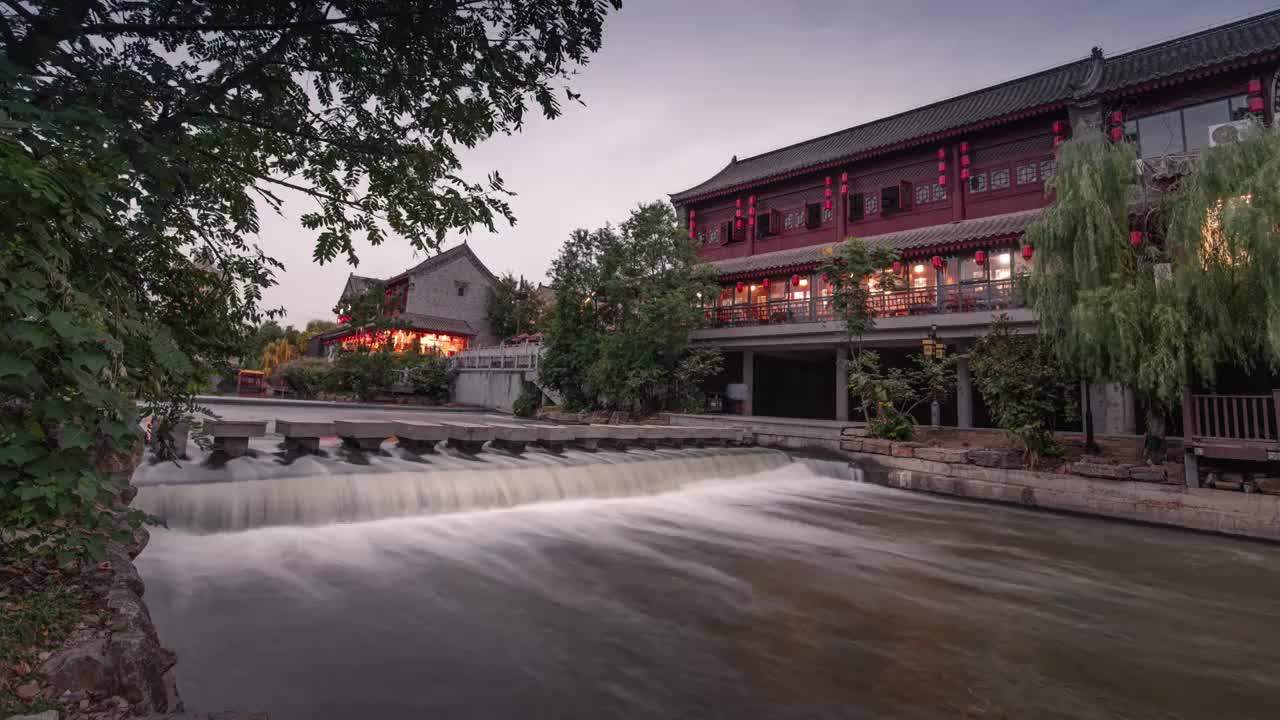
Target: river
(786,590)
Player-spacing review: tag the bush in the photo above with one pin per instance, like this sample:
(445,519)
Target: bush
(530,400)
(307,377)
(892,424)
(432,376)
(365,375)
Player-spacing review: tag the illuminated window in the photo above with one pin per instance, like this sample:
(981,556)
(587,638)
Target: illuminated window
(1001,265)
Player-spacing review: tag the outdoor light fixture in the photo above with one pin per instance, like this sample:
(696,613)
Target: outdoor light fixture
(804,282)
(1003,258)
(897,267)
(937,261)
(942,153)
(980,257)
(1135,238)
(917,269)
(795,279)
(1027,252)
(741,286)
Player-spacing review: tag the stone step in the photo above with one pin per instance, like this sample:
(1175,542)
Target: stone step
(304,435)
(364,434)
(420,437)
(468,438)
(512,437)
(232,436)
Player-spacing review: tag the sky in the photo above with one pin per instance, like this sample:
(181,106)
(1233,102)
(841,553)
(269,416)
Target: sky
(681,86)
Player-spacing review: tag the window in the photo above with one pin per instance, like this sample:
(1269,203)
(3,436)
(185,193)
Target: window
(856,209)
(713,235)
(731,234)
(978,183)
(1183,130)
(1001,265)
(1048,168)
(922,194)
(812,215)
(778,288)
(462,289)
(890,200)
(1026,174)
(923,276)
(827,213)
(763,225)
(793,219)
(871,204)
(939,192)
(1000,179)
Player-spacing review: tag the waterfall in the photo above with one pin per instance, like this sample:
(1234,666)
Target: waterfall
(348,497)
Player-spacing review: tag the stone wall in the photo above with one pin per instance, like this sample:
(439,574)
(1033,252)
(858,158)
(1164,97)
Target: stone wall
(435,292)
(493,389)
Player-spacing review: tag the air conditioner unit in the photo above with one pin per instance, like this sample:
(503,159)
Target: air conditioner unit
(1227,132)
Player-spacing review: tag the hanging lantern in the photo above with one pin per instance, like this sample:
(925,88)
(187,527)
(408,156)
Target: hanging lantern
(737,203)
(825,277)
(980,257)
(1117,134)
(964,147)
(897,267)
(741,286)
(751,200)
(1117,117)
(937,261)
(1256,105)
(692,234)
(739,223)
(692,214)
(751,210)
(795,280)
(942,167)
(844,189)
(751,222)
(737,213)
(765,284)
(964,174)
(1135,238)
(942,180)
(964,161)
(844,177)
(942,153)
(1255,87)
(827,181)
(826,193)
(1027,252)
(1059,127)
(826,205)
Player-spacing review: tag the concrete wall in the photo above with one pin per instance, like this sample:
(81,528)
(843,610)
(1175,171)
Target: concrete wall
(1233,513)
(786,433)
(493,389)
(435,292)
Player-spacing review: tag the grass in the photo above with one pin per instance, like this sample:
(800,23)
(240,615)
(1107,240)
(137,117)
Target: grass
(30,622)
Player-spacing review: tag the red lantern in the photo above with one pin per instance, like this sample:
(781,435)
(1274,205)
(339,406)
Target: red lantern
(826,193)
(1059,127)
(752,200)
(1027,251)
(737,213)
(1255,105)
(942,180)
(795,280)
(844,177)
(964,161)
(765,283)
(692,234)
(825,277)
(942,167)
(1117,117)
(692,214)
(751,210)
(751,222)
(844,189)
(937,261)
(964,174)
(897,267)
(1117,134)
(1255,87)
(942,153)
(741,286)
(739,223)
(737,203)
(980,257)
(826,205)
(827,181)
(1135,238)
(964,147)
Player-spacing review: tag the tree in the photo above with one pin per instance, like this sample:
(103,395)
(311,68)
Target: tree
(626,299)
(1025,386)
(276,354)
(514,307)
(141,139)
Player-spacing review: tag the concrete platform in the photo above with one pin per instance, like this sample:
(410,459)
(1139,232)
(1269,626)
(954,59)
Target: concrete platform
(232,437)
(513,438)
(420,437)
(469,438)
(304,435)
(554,438)
(364,434)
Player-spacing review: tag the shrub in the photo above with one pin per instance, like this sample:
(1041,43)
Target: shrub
(432,376)
(530,400)
(365,375)
(307,377)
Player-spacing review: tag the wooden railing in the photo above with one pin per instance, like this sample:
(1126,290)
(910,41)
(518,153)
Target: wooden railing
(964,297)
(1232,417)
(523,356)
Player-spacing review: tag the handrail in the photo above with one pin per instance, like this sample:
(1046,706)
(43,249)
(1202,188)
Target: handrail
(1232,417)
(958,297)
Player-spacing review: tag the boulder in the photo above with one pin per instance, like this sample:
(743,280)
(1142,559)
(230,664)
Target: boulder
(80,668)
(143,671)
(943,455)
(1100,470)
(995,458)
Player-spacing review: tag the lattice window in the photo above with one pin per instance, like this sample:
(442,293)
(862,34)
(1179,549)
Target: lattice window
(827,214)
(939,192)
(1048,168)
(702,237)
(793,219)
(871,203)
(1026,174)
(713,236)
(978,183)
(1000,179)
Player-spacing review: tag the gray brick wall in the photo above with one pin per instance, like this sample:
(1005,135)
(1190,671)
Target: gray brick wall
(435,292)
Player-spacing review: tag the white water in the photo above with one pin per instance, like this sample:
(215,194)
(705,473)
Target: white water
(323,499)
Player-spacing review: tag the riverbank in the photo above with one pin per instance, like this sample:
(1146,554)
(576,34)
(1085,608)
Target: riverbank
(1250,515)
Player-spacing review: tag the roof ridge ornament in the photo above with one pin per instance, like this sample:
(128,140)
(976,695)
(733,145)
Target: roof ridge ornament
(1093,78)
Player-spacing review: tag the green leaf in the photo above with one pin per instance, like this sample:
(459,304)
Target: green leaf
(12,365)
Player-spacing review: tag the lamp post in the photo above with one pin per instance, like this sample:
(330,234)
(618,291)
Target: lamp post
(936,350)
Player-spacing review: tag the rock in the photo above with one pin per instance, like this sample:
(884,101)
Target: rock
(903,449)
(943,455)
(128,494)
(80,668)
(995,458)
(1100,470)
(876,446)
(142,670)
(1268,484)
(851,444)
(28,691)
(84,704)
(45,655)
(1148,473)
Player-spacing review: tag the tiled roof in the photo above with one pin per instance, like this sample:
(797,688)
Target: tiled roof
(1225,43)
(1042,90)
(931,236)
(441,258)
(419,321)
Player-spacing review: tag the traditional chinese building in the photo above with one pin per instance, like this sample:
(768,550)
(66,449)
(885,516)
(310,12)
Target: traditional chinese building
(951,186)
(440,302)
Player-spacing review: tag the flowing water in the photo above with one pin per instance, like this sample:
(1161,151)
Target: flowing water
(693,585)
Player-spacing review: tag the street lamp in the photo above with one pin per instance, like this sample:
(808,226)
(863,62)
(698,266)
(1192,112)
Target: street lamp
(936,350)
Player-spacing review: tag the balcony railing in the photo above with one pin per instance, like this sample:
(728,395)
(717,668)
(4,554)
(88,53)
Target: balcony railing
(962,297)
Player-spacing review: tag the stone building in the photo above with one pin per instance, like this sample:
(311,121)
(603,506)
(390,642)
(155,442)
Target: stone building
(951,187)
(441,303)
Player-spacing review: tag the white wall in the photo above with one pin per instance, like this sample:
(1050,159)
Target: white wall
(493,389)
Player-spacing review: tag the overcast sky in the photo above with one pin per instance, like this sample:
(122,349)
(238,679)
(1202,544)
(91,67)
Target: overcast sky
(683,85)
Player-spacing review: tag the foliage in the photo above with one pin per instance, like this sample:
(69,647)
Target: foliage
(514,307)
(626,299)
(277,354)
(1025,386)
(32,619)
(530,400)
(432,376)
(307,377)
(848,271)
(887,398)
(139,138)
(366,375)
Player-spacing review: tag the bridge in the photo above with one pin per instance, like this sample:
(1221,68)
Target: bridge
(494,377)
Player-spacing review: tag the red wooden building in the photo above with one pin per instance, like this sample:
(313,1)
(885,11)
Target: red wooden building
(952,186)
